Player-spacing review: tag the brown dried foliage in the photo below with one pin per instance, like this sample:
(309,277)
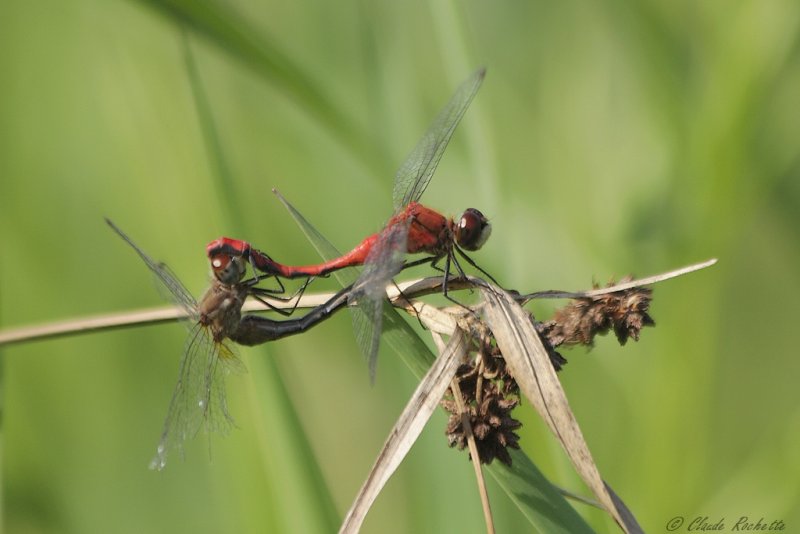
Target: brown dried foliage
(490,393)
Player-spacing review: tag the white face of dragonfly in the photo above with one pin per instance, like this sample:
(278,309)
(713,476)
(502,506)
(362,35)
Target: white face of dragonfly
(472,230)
(228,269)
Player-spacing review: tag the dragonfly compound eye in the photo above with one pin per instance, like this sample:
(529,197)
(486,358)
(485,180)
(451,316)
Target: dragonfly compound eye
(473,230)
(228,269)
(226,245)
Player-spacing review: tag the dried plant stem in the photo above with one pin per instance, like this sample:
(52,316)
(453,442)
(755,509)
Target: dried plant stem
(109,321)
(554,294)
(473,452)
(414,288)
(90,324)
(128,319)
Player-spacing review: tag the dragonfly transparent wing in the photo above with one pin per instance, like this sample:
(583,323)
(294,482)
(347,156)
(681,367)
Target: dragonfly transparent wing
(175,290)
(414,175)
(199,397)
(384,261)
(185,413)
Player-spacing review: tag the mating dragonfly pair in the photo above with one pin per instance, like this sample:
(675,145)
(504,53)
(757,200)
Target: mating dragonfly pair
(199,396)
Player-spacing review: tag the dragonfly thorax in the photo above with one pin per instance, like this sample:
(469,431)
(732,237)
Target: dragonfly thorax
(220,309)
(472,230)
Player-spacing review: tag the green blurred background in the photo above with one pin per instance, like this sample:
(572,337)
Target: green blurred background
(608,138)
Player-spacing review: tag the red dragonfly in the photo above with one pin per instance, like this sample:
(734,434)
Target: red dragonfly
(412,229)
(199,398)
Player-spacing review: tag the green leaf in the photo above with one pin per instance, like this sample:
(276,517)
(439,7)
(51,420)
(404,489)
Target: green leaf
(220,25)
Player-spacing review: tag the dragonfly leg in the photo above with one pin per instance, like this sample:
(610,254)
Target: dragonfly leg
(299,294)
(432,260)
(472,262)
(255,269)
(450,258)
(259,294)
(434,264)
(280,290)
(272,307)
(404,297)
(480,283)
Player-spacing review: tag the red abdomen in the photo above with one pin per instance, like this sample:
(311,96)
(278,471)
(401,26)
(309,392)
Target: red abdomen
(428,232)
(357,256)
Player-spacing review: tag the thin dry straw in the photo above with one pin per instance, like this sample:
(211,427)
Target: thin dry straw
(165,314)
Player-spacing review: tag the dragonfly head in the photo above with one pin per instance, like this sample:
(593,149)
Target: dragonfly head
(228,259)
(472,230)
(227,245)
(228,268)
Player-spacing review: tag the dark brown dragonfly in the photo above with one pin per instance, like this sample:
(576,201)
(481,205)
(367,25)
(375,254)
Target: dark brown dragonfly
(199,399)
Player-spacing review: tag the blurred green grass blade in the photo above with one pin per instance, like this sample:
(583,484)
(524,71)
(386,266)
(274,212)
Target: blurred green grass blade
(304,503)
(297,482)
(404,341)
(220,170)
(225,28)
(657,43)
(538,500)
(535,496)
(324,248)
